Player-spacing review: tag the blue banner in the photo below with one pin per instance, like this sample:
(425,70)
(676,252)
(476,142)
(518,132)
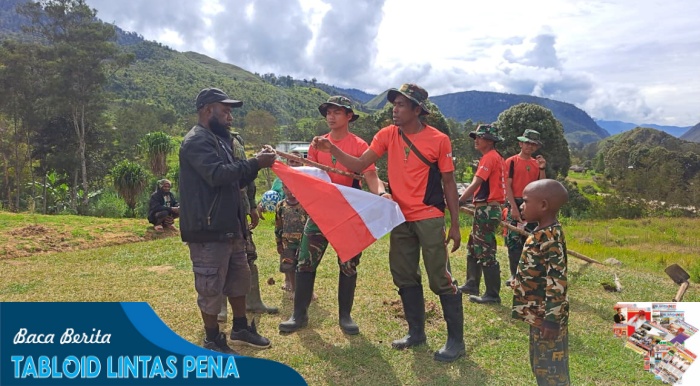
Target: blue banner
(115,344)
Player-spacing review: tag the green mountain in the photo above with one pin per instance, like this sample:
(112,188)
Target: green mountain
(483,106)
(616,127)
(693,134)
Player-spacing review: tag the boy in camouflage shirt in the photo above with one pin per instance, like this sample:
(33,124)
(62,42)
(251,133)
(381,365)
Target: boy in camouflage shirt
(540,283)
(290,219)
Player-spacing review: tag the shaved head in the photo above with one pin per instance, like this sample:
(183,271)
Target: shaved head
(548,190)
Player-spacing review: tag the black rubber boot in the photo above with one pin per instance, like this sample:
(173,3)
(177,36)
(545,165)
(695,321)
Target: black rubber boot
(492,279)
(253,301)
(471,287)
(346,296)
(454,317)
(302,298)
(513,259)
(414,310)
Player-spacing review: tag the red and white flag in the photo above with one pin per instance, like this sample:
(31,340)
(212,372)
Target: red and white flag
(351,219)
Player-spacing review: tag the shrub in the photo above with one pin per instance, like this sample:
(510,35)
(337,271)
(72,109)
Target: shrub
(108,204)
(589,189)
(578,204)
(614,206)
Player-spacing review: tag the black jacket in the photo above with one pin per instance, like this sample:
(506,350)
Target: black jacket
(210,181)
(157,204)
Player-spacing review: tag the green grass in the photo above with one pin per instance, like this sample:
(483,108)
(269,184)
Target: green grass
(159,272)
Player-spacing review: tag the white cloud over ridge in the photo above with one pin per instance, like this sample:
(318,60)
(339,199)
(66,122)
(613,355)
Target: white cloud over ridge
(626,60)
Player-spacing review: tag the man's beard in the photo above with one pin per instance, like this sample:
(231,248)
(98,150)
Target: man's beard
(218,128)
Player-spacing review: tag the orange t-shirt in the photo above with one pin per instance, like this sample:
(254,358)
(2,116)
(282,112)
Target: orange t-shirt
(408,175)
(351,144)
(491,170)
(522,172)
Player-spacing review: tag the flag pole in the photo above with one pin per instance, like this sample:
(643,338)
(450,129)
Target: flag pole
(526,233)
(318,165)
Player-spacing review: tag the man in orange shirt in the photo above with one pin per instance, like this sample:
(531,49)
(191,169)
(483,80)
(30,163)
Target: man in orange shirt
(419,165)
(521,169)
(338,113)
(488,188)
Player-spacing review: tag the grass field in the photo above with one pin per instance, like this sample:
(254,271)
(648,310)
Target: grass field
(121,260)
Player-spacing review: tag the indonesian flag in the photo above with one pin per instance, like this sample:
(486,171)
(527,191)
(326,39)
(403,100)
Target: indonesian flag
(351,219)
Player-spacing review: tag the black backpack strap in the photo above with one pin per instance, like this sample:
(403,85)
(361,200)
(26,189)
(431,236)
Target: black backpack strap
(415,150)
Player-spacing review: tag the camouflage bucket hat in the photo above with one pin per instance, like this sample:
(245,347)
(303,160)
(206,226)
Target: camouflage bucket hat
(339,101)
(489,132)
(531,136)
(413,92)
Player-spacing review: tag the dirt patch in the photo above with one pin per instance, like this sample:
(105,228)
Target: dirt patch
(37,239)
(31,230)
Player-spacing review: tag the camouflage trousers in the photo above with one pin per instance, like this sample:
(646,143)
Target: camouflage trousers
(549,359)
(313,246)
(482,239)
(250,251)
(514,240)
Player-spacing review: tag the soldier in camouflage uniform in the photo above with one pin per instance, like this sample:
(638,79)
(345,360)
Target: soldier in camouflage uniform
(290,219)
(488,189)
(254,302)
(540,283)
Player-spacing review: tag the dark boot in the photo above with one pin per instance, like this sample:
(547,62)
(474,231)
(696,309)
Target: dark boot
(454,317)
(253,301)
(414,310)
(346,296)
(471,287)
(492,279)
(302,298)
(513,259)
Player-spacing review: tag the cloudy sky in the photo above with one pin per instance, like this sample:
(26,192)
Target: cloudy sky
(629,60)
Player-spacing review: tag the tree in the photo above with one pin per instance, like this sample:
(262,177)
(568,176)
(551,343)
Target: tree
(21,80)
(513,122)
(130,180)
(83,53)
(157,146)
(260,129)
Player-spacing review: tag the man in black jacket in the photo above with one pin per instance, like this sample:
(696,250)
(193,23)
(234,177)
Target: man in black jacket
(211,218)
(163,208)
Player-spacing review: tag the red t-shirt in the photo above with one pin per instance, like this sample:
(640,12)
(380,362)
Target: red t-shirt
(522,172)
(352,145)
(408,175)
(491,170)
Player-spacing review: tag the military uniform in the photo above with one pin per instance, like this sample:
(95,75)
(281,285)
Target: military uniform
(540,299)
(254,302)
(247,196)
(514,240)
(289,228)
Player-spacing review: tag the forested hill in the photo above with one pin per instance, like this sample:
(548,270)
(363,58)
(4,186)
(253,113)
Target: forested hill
(693,134)
(482,106)
(171,79)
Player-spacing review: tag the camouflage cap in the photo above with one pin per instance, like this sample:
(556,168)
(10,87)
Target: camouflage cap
(489,132)
(531,136)
(339,101)
(413,92)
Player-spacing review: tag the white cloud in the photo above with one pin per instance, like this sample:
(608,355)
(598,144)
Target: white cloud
(626,60)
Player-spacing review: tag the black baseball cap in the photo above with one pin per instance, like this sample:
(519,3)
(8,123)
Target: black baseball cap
(214,95)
